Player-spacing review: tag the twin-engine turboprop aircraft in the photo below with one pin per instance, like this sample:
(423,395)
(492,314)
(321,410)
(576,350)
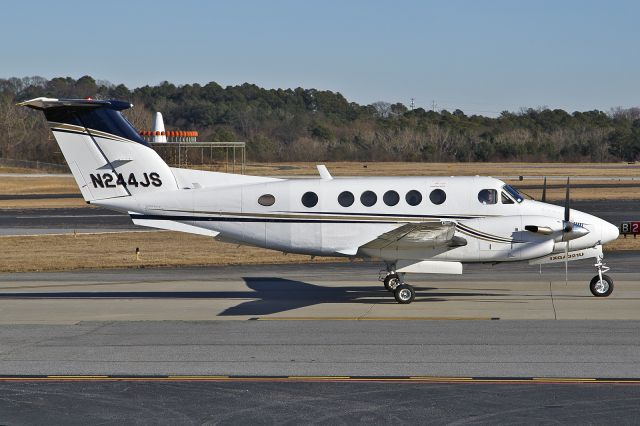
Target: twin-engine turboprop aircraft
(430,225)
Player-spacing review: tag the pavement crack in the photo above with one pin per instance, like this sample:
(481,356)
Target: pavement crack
(366,313)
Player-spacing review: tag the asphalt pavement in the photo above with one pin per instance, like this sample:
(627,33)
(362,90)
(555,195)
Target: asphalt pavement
(258,403)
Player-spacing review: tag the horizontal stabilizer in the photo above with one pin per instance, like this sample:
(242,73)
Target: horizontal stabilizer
(172,225)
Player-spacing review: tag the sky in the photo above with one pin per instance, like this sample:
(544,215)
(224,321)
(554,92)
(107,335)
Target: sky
(482,57)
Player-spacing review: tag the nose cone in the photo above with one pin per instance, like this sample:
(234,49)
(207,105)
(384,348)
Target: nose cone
(609,232)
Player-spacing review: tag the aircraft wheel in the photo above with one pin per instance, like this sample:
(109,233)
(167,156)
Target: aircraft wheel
(601,288)
(391,281)
(404,294)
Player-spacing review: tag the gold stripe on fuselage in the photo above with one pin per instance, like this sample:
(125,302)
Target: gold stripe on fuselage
(364,219)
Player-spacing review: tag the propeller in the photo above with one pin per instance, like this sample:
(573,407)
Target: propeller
(569,231)
(567,224)
(568,227)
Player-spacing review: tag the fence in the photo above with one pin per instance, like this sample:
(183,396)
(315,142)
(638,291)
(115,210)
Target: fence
(222,156)
(39,165)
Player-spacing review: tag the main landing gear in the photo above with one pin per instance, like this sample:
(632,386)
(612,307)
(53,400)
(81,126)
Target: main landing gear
(601,285)
(403,292)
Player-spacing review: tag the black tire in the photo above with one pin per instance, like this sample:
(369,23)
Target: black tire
(391,281)
(404,294)
(601,290)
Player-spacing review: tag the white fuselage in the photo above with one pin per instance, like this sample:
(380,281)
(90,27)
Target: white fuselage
(493,231)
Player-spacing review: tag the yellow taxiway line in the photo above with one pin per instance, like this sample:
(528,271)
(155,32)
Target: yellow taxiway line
(374,318)
(325,379)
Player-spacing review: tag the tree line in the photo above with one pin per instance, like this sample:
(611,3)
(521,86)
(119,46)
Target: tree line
(318,125)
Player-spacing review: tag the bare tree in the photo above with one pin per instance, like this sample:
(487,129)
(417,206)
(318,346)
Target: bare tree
(383,109)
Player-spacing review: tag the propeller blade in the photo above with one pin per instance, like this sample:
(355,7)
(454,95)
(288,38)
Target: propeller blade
(567,207)
(566,264)
(568,225)
(544,190)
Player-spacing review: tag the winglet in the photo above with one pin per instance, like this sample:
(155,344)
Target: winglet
(324,173)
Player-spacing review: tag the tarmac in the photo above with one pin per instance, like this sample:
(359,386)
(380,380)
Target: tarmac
(315,343)
(321,319)
(319,343)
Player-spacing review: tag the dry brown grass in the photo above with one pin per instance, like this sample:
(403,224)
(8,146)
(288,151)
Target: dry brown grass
(117,250)
(22,170)
(622,244)
(66,184)
(445,169)
(38,185)
(58,203)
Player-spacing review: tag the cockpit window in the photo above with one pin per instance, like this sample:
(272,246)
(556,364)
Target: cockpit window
(513,193)
(505,198)
(488,196)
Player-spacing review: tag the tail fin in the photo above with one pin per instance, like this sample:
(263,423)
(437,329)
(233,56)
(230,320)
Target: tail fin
(105,153)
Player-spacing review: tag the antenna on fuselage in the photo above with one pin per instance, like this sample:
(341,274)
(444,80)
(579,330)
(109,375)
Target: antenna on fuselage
(324,172)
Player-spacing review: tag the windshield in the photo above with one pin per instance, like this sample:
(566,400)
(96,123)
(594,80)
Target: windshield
(513,193)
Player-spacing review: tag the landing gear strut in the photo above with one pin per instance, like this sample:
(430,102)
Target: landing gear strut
(403,292)
(601,285)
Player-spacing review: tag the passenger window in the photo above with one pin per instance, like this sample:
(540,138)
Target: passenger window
(346,199)
(368,198)
(413,197)
(437,196)
(266,200)
(506,199)
(391,198)
(488,196)
(309,199)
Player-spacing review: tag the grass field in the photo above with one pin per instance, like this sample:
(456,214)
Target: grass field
(448,169)
(117,250)
(425,169)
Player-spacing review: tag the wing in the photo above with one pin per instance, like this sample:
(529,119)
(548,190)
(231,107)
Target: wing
(415,235)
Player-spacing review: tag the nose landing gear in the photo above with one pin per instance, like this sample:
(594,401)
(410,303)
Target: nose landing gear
(402,292)
(601,285)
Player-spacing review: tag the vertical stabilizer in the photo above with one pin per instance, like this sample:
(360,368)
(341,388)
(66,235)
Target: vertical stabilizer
(105,153)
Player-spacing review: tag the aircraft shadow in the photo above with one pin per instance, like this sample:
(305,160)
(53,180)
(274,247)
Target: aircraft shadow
(270,295)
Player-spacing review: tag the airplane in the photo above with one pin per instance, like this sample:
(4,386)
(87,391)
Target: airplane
(425,224)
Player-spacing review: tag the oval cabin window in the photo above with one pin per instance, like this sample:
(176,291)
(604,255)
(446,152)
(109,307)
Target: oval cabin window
(309,199)
(346,199)
(391,198)
(437,196)
(266,200)
(413,197)
(368,198)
